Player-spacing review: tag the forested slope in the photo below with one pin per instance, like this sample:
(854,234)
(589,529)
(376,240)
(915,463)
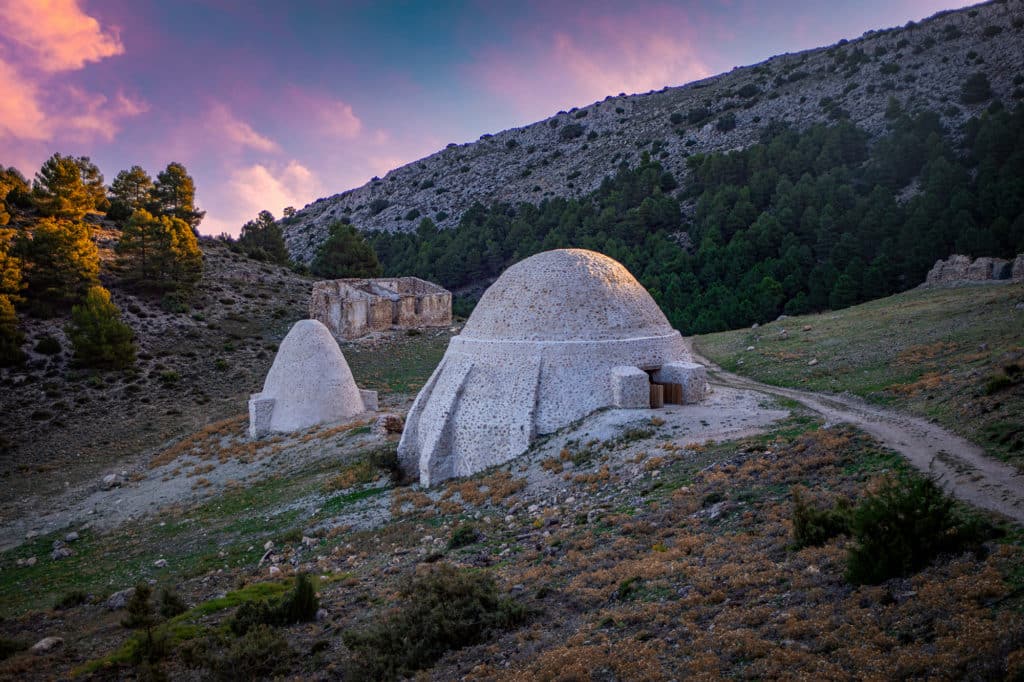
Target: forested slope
(800,222)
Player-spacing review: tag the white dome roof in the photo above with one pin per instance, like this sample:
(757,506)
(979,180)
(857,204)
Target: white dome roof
(310,381)
(566,295)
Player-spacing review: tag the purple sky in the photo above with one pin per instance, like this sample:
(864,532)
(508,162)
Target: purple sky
(270,104)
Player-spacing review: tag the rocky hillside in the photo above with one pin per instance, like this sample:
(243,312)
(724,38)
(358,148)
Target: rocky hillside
(923,65)
(64,424)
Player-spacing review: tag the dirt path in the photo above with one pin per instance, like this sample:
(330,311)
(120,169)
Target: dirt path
(962,467)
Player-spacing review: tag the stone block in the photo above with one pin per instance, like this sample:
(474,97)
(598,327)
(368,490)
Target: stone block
(691,376)
(260,411)
(630,388)
(369,397)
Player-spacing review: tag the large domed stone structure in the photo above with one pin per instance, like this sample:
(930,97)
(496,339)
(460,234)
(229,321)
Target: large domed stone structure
(309,383)
(556,337)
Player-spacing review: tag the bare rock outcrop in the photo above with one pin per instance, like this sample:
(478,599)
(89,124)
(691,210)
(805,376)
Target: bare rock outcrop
(921,65)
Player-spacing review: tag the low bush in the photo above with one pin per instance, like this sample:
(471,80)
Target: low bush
(902,527)
(171,603)
(976,89)
(464,534)
(98,335)
(570,132)
(9,647)
(48,345)
(298,606)
(71,600)
(445,609)
(813,526)
(726,122)
(261,652)
(997,383)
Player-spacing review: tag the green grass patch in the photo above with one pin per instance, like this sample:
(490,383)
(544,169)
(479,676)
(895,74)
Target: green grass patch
(410,362)
(952,355)
(338,503)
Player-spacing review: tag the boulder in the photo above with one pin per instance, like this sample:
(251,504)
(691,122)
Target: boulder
(46,644)
(119,600)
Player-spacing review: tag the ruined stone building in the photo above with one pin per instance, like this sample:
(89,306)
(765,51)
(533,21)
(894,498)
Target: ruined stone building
(556,337)
(351,308)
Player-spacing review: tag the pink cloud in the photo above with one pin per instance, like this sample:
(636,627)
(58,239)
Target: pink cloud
(56,35)
(257,187)
(330,116)
(595,57)
(226,125)
(46,38)
(21,115)
(338,119)
(95,116)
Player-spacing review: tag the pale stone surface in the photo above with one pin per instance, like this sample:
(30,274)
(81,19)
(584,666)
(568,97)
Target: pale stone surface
(691,376)
(351,308)
(309,383)
(539,352)
(119,600)
(630,388)
(46,644)
(958,268)
(370,401)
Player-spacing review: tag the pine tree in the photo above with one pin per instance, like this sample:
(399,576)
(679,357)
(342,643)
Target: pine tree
(129,192)
(346,253)
(11,282)
(98,335)
(141,614)
(59,190)
(845,292)
(10,180)
(11,337)
(10,287)
(174,194)
(262,239)
(61,262)
(161,252)
(92,181)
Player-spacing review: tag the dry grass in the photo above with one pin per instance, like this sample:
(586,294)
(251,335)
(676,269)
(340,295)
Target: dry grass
(496,488)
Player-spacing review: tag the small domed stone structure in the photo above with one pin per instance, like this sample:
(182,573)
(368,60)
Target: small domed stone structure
(556,337)
(308,384)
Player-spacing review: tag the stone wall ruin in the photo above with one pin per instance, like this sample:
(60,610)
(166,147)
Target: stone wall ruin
(351,308)
(962,269)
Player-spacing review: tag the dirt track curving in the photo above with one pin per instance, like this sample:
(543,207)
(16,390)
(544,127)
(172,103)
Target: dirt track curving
(961,467)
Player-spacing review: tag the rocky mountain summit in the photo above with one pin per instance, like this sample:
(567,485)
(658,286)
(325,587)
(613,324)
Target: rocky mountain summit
(954,63)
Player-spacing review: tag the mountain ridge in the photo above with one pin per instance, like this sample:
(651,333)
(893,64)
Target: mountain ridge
(924,65)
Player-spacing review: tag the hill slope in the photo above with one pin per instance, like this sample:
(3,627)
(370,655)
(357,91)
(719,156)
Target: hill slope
(64,424)
(954,355)
(924,65)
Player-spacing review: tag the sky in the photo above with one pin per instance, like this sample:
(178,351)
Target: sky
(272,104)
